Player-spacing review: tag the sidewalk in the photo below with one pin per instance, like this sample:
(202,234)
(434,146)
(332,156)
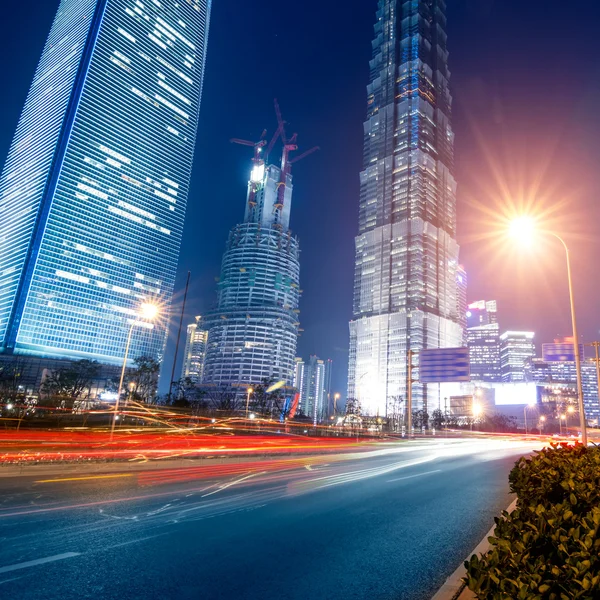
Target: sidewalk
(454,587)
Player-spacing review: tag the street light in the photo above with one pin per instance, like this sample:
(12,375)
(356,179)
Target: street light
(542,421)
(147,311)
(570,411)
(477,410)
(529,405)
(336,397)
(562,418)
(523,229)
(248,392)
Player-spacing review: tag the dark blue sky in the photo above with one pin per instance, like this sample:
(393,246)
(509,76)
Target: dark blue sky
(526,83)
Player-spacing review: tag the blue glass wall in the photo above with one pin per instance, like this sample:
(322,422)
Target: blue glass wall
(115,182)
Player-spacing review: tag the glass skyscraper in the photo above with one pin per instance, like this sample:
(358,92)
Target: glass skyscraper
(93,193)
(405,286)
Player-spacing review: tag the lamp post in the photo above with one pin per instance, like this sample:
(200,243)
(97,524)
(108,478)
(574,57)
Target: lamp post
(248,392)
(477,410)
(147,311)
(562,418)
(542,421)
(524,227)
(570,411)
(336,397)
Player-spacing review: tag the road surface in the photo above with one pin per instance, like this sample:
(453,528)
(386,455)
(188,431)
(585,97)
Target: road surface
(391,522)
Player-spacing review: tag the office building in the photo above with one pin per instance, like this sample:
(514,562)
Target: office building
(405,285)
(194,352)
(461,300)
(253,330)
(309,380)
(516,351)
(557,384)
(483,341)
(94,190)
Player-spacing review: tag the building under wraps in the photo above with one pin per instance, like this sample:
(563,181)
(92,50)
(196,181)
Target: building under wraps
(405,285)
(253,330)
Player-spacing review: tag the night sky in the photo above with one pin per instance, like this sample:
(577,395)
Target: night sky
(526,86)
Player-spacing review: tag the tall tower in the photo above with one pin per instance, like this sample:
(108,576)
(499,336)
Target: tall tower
(405,294)
(195,351)
(253,330)
(310,382)
(94,190)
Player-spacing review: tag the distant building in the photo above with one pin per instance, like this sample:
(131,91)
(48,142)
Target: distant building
(557,384)
(483,340)
(482,312)
(327,409)
(516,351)
(461,299)
(310,381)
(195,352)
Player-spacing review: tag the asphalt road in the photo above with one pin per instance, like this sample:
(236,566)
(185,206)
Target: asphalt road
(389,523)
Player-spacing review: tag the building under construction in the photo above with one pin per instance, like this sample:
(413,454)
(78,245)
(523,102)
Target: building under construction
(253,330)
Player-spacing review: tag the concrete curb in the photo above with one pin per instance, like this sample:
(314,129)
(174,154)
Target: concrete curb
(454,588)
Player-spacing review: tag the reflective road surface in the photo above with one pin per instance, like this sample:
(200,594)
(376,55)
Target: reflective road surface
(389,521)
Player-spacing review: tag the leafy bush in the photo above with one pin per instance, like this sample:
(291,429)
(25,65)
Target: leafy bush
(549,547)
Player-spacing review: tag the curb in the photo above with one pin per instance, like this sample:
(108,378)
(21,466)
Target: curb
(454,588)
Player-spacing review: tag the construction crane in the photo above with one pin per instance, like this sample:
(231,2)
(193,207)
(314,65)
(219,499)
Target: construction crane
(289,145)
(257,162)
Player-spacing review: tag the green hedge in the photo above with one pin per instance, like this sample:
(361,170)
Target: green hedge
(548,548)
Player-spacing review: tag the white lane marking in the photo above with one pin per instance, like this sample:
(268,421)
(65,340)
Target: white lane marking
(228,485)
(412,476)
(11,579)
(39,561)
(150,537)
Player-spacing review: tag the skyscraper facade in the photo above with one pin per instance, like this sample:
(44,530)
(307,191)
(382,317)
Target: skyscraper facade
(309,380)
(516,352)
(483,340)
(94,190)
(461,300)
(195,351)
(405,288)
(253,330)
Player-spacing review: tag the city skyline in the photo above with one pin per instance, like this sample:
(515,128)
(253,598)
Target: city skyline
(476,80)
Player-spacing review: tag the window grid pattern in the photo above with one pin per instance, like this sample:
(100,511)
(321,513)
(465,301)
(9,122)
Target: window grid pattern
(112,235)
(27,167)
(405,285)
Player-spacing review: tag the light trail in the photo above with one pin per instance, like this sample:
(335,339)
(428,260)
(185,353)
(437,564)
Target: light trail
(118,475)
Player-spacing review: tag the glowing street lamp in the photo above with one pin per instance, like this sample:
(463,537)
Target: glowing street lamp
(336,397)
(146,311)
(530,405)
(523,230)
(562,418)
(477,412)
(542,421)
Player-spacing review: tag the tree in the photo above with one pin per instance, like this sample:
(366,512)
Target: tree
(64,386)
(223,401)
(143,378)
(11,382)
(353,407)
(394,412)
(437,419)
(420,418)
